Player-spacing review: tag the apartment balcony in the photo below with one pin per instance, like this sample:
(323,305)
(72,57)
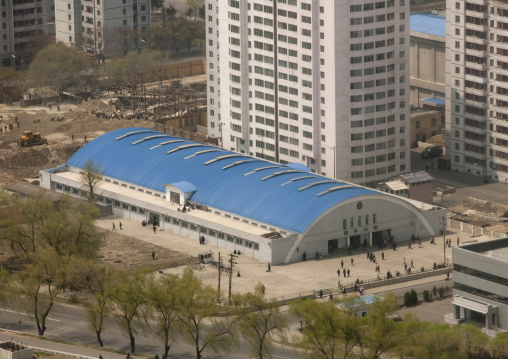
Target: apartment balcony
(476,40)
(481,80)
(478,92)
(483,105)
(480,15)
(482,28)
(476,65)
(473,52)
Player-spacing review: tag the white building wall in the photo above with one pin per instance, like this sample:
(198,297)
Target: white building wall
(20,22)
(288,75)
(476,80)
(111,27)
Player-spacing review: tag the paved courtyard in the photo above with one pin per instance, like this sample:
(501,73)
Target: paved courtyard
(302,277)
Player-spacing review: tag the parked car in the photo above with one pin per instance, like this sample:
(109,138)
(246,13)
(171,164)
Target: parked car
(432,152)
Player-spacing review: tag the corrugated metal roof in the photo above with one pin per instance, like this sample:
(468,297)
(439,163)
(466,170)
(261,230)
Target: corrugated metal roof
(260,190)
(434,100)
(428,24)
(185,186)
(416,176)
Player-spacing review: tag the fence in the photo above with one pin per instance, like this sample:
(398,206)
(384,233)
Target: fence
(474,230)
(368,284)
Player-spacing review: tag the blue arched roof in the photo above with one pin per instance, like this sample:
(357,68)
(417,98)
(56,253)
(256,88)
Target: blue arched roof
(263,191)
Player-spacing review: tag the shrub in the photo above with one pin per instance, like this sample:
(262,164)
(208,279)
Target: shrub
(410,298)
(414,297)
(74,298)
(407,299)
(441,292)
(427,296)
(434,291)
(447,291)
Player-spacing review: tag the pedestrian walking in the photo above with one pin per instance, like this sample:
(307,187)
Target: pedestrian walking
(338,272)
(352,262)
(368,254)
(412,266)
(153,255)
(338,285)
(403,260)
(320,294)
(72,137)
(419,244)
(348,271)
(344,271)
(458,241)
(114,228)
(383,255)
(100,356)
(344,291)
(342,263)
(269,267)
(120,225)
(156,356)
(154,228)
(85,139)
(409,245)
(58,107)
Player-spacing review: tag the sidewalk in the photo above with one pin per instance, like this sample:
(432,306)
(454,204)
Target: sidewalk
(72,350)
(297,278)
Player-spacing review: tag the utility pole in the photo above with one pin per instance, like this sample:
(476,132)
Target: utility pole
(220,271)
(444,239)
(230,269)
(442,193)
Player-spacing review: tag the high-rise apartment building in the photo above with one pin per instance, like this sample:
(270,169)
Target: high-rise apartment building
(21,22)
(103,27)
(320,82)
(477,87)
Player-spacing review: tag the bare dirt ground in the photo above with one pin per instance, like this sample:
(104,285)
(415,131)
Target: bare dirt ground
(129,253)
(78,121)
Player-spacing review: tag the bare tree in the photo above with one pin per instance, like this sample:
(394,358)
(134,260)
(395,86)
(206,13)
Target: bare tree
(91,177)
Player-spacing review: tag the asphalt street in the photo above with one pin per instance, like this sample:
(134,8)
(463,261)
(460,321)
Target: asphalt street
(68,323)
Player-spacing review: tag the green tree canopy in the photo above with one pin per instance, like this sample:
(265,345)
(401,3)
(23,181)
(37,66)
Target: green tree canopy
(58,67)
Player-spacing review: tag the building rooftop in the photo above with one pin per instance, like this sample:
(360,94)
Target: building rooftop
(281,195)
(428,24)
(433,100)
(416,176)
(396,185)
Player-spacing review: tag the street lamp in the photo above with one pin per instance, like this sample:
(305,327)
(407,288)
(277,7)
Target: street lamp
(220,128)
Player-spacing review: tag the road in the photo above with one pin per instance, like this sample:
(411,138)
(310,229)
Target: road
(68,323)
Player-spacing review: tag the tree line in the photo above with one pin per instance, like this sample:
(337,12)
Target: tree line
(56,248)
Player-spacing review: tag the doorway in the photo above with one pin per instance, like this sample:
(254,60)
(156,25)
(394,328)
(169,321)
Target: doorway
(333,245)
(154,218)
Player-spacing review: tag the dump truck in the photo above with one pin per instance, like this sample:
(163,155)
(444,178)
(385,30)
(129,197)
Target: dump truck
(30,138)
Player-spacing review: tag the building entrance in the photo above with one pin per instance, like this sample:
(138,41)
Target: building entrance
(379,236)
(155,219)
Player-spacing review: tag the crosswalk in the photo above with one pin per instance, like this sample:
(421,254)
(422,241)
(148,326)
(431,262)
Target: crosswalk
(67,328)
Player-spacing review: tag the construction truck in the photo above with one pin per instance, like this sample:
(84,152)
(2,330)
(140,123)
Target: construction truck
(30,138)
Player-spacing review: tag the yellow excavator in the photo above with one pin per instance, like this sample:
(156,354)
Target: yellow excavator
(30,138)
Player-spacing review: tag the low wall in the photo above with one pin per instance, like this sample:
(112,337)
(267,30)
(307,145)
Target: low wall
(474,230)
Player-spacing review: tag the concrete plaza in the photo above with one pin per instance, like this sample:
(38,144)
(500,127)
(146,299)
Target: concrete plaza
(291,280)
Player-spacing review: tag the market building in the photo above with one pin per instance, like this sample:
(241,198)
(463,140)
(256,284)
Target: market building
(273,212)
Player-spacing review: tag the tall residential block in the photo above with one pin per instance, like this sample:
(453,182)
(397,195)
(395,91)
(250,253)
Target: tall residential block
(103,27)
(322,83)
(21,22)
(477,87)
